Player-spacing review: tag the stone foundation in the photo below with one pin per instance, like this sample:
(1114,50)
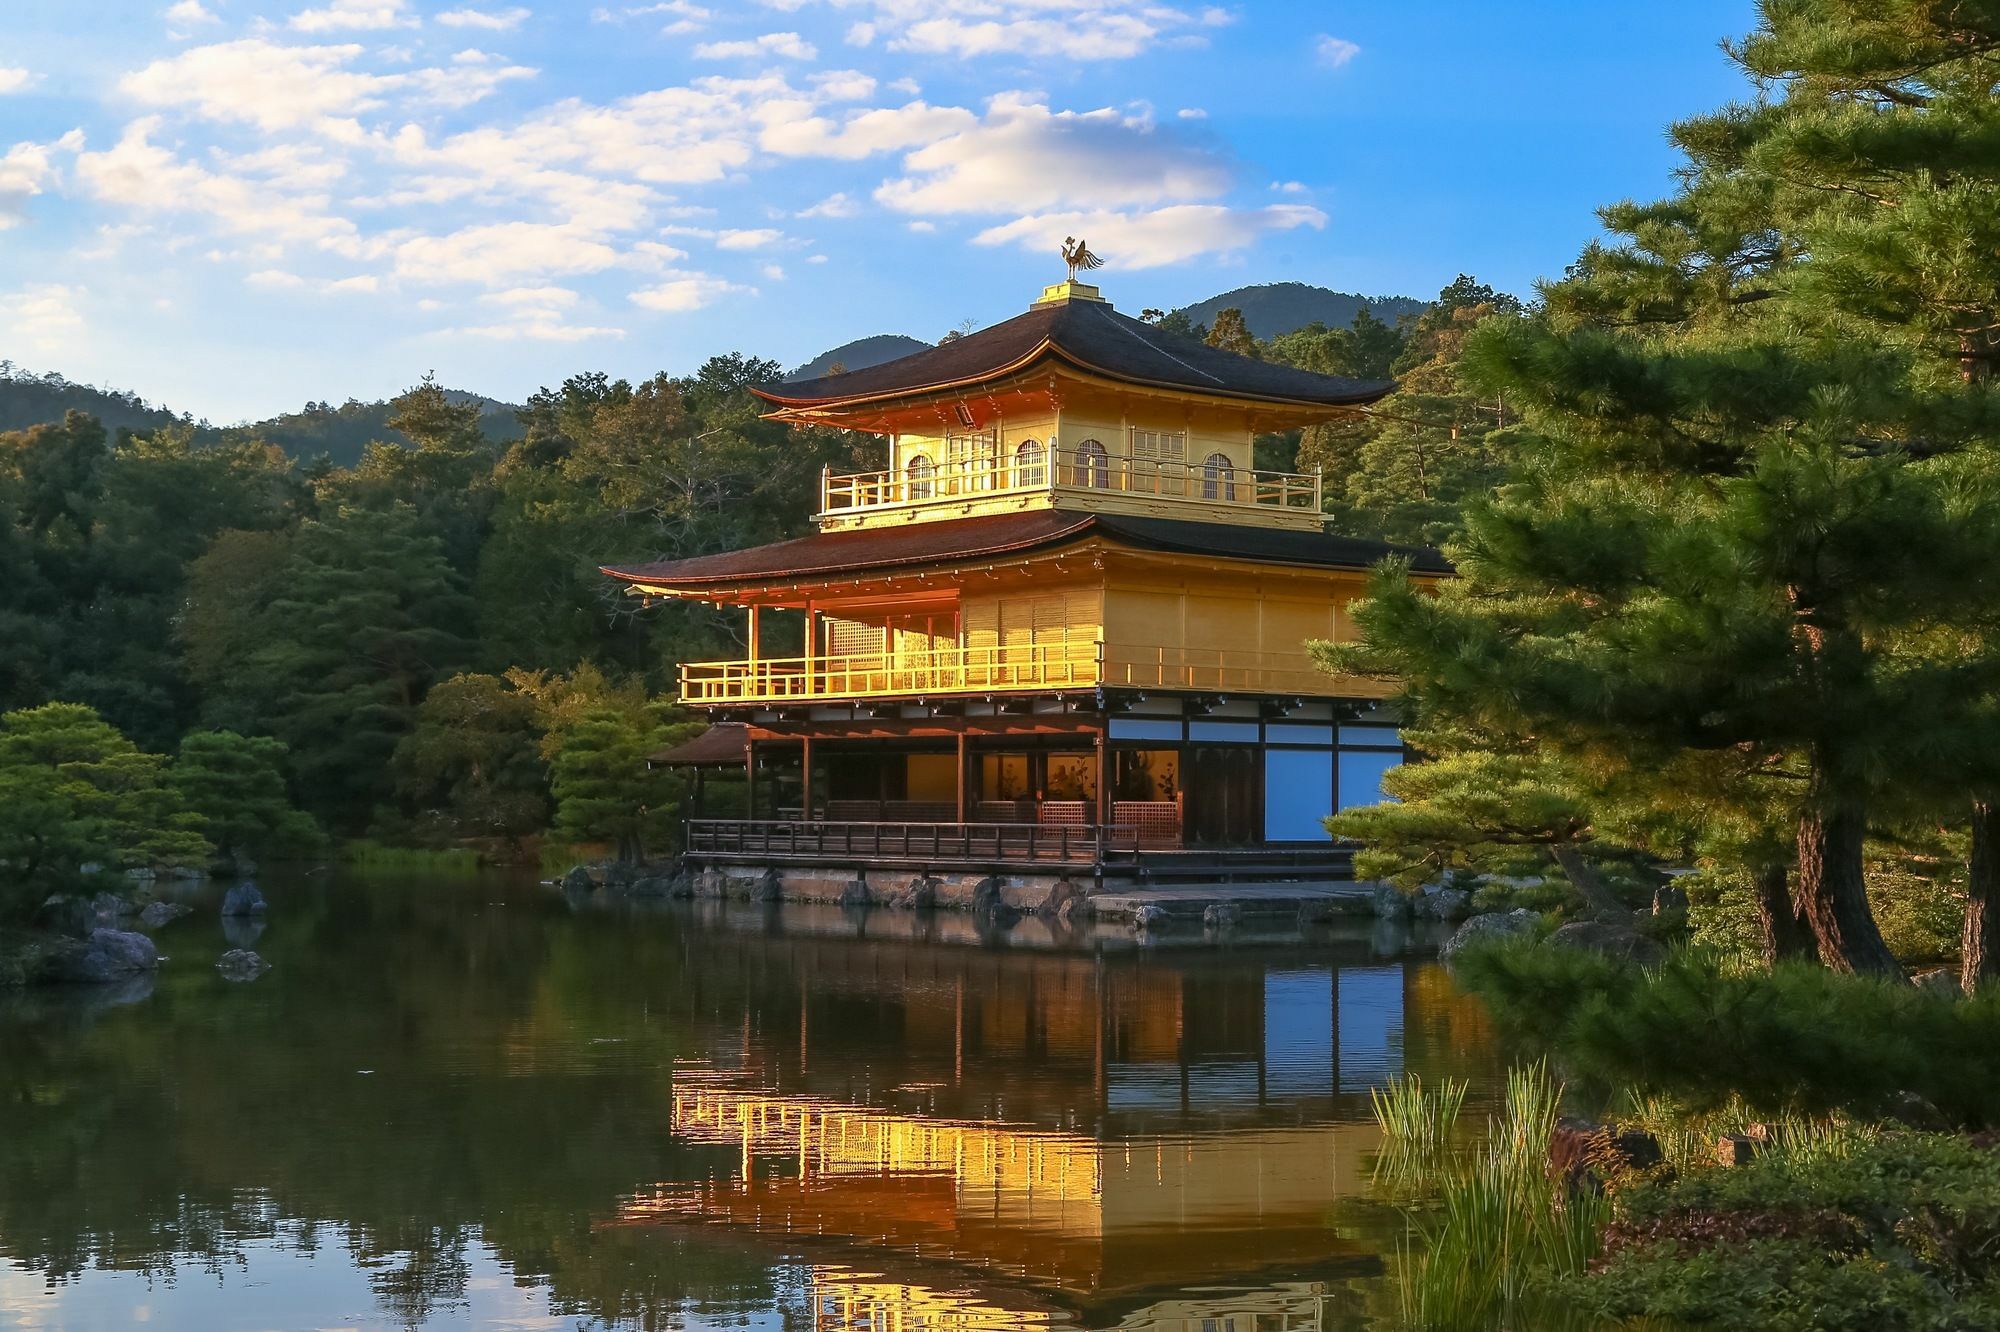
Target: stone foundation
(882,888)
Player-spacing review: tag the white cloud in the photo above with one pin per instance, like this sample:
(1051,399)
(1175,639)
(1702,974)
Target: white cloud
(860,34)
(140,174)
(755,238)
(43,316)
(494,253)
(14,79)
(1025,156)
(923,228)
(1152,238)
(1068,29)
(277,279)
(1191,113)
(541,298)
(775,272)
(186,15)
(493,20)
(834,205)
(266,84)
(785,45)
(815,258)
(353,16)
(686,291)
(1289,187)
(1333,52)
(26,170)
(792,129)
(472,75)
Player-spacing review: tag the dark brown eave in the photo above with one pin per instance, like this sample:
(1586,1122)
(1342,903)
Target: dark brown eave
(917,546)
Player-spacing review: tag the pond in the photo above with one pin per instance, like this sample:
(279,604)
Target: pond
(474,1103)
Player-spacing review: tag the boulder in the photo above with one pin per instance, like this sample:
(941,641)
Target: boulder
(1940,981)
(1737,1149)
(653,885)
(1222,916)
(240,964)
(110,906)
(105,956)
(1670,905)
(243,900)
(1064,891)
(1392,903)
(713,883)
(141,874)
(770,887)
(70,916)
(1492,925)
(921,895)
(1149,917)
(157,914)
(1075,911)
(1611,938)
(578,880)
(855,894)
(1445,904)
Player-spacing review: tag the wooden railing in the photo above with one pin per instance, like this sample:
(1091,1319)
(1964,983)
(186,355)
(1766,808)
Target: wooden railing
(977,843)
(1067,469)
(871,675)
(961,670)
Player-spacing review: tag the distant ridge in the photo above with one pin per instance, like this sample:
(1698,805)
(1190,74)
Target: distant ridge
(28,399)
(1280,307)
(343,432)
(860,354)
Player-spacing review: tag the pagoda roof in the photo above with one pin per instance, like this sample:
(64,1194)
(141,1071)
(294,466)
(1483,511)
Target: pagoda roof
(723,745)
(854,550)
(1091,336)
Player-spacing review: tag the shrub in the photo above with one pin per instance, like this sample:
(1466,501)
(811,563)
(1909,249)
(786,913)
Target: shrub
(1795,1039)
(1888,1233)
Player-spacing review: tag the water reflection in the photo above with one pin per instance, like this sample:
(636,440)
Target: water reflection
(482,1106)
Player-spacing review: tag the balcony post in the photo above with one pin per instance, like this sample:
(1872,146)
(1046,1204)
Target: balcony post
(806,776)
(812,624)
(961,776)
(753,639)
(750,780)
(1103,778)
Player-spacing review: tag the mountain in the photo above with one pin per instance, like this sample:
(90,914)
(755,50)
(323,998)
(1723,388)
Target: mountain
(1280,307)
(342,432)
(28,399)
(859,354)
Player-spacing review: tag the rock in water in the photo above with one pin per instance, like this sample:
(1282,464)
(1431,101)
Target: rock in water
(1445,904)
(1149,917)
(1392,903)
(856,894)
(69,916)
(240,964)
(243,900)
(157,914)
(1222,916)
(578,880)
(107,955)
(1493,925)
(110,907)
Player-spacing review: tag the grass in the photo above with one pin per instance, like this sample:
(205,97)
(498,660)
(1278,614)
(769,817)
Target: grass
(1489,1233)
(372,857)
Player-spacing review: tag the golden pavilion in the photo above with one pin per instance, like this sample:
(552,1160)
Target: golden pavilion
(1067,625)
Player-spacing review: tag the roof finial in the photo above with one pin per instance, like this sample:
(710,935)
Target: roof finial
(1077,255)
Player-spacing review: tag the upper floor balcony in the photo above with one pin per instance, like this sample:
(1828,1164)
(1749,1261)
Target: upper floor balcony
(1025,668)
(1088,477)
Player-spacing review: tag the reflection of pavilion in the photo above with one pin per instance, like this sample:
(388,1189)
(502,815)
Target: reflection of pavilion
(1108,1044)
(1118,1225)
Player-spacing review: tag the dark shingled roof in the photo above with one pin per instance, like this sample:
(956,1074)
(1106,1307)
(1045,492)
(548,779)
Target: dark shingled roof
(857,549)
(1093,336)
(723,745)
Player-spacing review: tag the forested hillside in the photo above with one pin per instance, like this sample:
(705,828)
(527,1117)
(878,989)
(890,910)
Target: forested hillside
(27,398)
(1272,309)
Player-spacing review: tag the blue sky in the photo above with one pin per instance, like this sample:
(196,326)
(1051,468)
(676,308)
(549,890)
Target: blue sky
(235,206)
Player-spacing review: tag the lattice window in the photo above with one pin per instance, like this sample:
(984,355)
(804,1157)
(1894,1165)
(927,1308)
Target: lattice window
(1159,446)
(851,638)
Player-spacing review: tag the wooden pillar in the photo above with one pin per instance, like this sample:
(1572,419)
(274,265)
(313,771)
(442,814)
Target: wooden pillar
(750,779)
(756,648)
(962,760)
(812,626)
(806,777)
(1103,780)
(700,776)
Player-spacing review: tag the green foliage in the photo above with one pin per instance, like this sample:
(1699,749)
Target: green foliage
(1419,1128)
(1229,333)
(73,791)
(1889,1232)
(603,789)
(473,762)
(372,857)
(235,785)
(1796,1039)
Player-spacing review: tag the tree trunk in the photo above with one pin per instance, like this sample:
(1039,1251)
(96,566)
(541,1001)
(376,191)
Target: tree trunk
(1981,965)
(1583,876)
(1834,897)
(1786,932)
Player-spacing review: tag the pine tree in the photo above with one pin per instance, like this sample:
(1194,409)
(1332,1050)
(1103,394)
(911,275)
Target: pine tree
(1761,515)
(1231,334)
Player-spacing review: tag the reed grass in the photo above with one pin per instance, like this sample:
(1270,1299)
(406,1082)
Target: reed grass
(371,857)
(1419,1126)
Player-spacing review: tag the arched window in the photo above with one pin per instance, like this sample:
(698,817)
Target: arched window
(1030,464)
(1093,464)
(1218,477)
(919,470)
